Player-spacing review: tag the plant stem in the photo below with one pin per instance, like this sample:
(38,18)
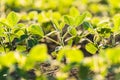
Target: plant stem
(51,40)
(59,34)
(7,29)
(60,38)
(50,33)
(3,44)
(65,35)
(69,38)
(89,40)
(54,26)
(8,35)
(10,41)
(113,40)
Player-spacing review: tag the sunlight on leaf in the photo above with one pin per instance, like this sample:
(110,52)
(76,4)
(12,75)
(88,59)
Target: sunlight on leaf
(7,59)
(71,54)
(113,55)
(72,31)
(91,48)
(12,19)
(36,29)
(74,12)
(37,53)
(69,20)
(79,19)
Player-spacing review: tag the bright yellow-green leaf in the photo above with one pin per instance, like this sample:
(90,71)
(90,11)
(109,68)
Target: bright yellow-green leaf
(62,25)
(12,19)
(116,21)
(45,16)
(37,53)
(36,29)
(115,3)
(91,48)
(113,55)
(33,15)
(74,12)
(72,55)
(56,15)
(21,48)
(92,64)
(95,20)
(1,49)
(1,31)
(41,18)
(69,20)
(7,59)
(58,25)
(72,31)
(79,19)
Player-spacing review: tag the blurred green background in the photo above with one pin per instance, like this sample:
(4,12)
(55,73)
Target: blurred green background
(96,7)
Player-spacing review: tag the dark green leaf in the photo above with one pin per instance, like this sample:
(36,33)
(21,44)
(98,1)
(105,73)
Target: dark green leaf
(87,25)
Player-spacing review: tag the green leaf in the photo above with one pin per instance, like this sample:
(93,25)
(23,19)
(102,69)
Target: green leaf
(58,25)
(12,19)
(116,21)
(74,12)
(113,55)
(114,4)
(23,37)
(56,15)
(106,32)
(69,20)
(87,25)
(72,55)
(84,71)
(91,48)
(79,19)
(37,53)
(36,29)
(7,59)
(72,31)
(1,31)
(1,49)
(62,25)
(21,48)
(33,15)
(31,43)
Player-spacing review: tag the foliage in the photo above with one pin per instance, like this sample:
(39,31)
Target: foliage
(59,40)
